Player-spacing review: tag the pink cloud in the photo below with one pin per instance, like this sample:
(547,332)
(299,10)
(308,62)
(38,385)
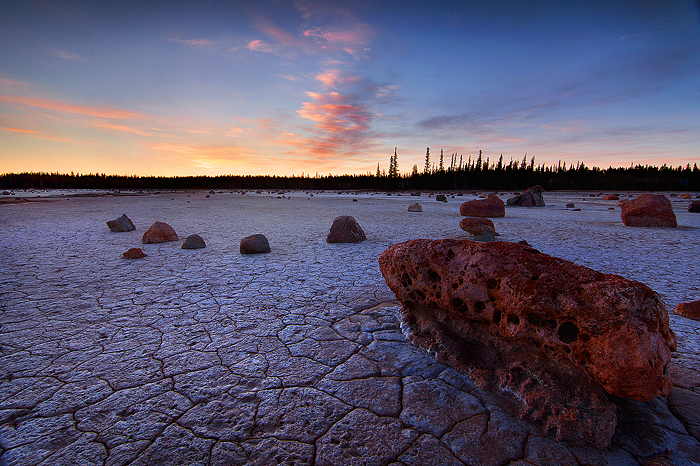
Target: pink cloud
(37,134)
(194,42)
(332,78)
(122,128)
(260,46)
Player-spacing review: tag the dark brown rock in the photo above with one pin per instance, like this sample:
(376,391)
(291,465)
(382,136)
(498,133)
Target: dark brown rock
(159,232)
(345,229)
(194,242)
(611,197)
(121,224)
(547,336)
(415,208)
(531,197)
(648,210)
(694,206)
(690,310)
(134,253)
(492,207)
(570,205)
(255,244)
(482,229)
(441,198)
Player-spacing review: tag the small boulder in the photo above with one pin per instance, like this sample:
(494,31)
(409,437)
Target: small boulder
(686,196)
(441,198)
(611,197)
(690,310)
(255,244)
(694,206)
(531,197)
(134,253)
(648,210)
(482,229)
(492,207)
(159,232)
(121,224)
(415,208)
(194,242)
(570,205)
(345,229)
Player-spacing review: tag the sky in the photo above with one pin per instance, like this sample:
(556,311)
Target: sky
(275,87)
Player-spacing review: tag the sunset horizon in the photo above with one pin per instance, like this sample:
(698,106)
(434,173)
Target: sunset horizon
(285,88)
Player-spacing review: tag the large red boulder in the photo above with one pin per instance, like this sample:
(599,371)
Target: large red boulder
(548,337)
(159,232)
(648,210)
(492,207)
(345,229)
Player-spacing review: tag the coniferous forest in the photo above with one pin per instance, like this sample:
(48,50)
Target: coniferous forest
(474,174)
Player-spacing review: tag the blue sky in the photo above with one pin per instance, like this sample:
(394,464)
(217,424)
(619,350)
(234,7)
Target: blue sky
(279,87)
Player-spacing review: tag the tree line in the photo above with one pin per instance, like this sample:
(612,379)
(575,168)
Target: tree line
(472,174)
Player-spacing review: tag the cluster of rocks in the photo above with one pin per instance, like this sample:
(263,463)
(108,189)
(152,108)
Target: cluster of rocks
(549,338)
(345,229)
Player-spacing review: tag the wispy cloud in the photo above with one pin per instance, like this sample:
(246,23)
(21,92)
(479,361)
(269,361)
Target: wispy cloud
(258,45)
(38,134)
(101,111)
(12,83)
(121,128)
(63,54)
(333,78)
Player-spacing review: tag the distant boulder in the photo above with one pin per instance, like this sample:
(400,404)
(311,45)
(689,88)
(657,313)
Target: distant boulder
(570,205)
(441,198)
(648,210)
(685,196)
(492,207)
(689,310)
(694,206)
(482,229)
(415,208)
(611,197)
(134,253)
(121,224)
(345,229)
(255,244)
(531,197)
(159,232)
(194,242)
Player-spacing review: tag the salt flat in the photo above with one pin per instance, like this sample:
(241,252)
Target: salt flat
(293,357)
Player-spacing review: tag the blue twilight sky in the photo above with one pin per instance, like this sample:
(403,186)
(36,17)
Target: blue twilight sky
(285,87)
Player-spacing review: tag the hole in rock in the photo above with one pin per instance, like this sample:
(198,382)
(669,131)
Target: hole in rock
(491,283)
(535,277)
(480,306)
(433,276)
(455,286)
(492,299)
(450,255)
(568,332)
(514,320)
(497,317)
(406,280)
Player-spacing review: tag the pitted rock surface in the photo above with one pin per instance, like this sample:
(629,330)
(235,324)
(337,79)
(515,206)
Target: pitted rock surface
(295,357)
(553,333)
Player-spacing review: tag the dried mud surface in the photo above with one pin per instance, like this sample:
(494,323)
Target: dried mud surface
(293,357)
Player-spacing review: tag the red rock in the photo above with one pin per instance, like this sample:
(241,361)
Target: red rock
(611,197)
(481,229)
(415,208)
(345,229)
(492,207)
(694,206)
(648,210)
(134,253)
(255,244)
(159,232)
(685,196)
(690,310)
(547,336)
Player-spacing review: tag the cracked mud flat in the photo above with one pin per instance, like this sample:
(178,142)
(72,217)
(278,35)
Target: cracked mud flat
(210,357)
